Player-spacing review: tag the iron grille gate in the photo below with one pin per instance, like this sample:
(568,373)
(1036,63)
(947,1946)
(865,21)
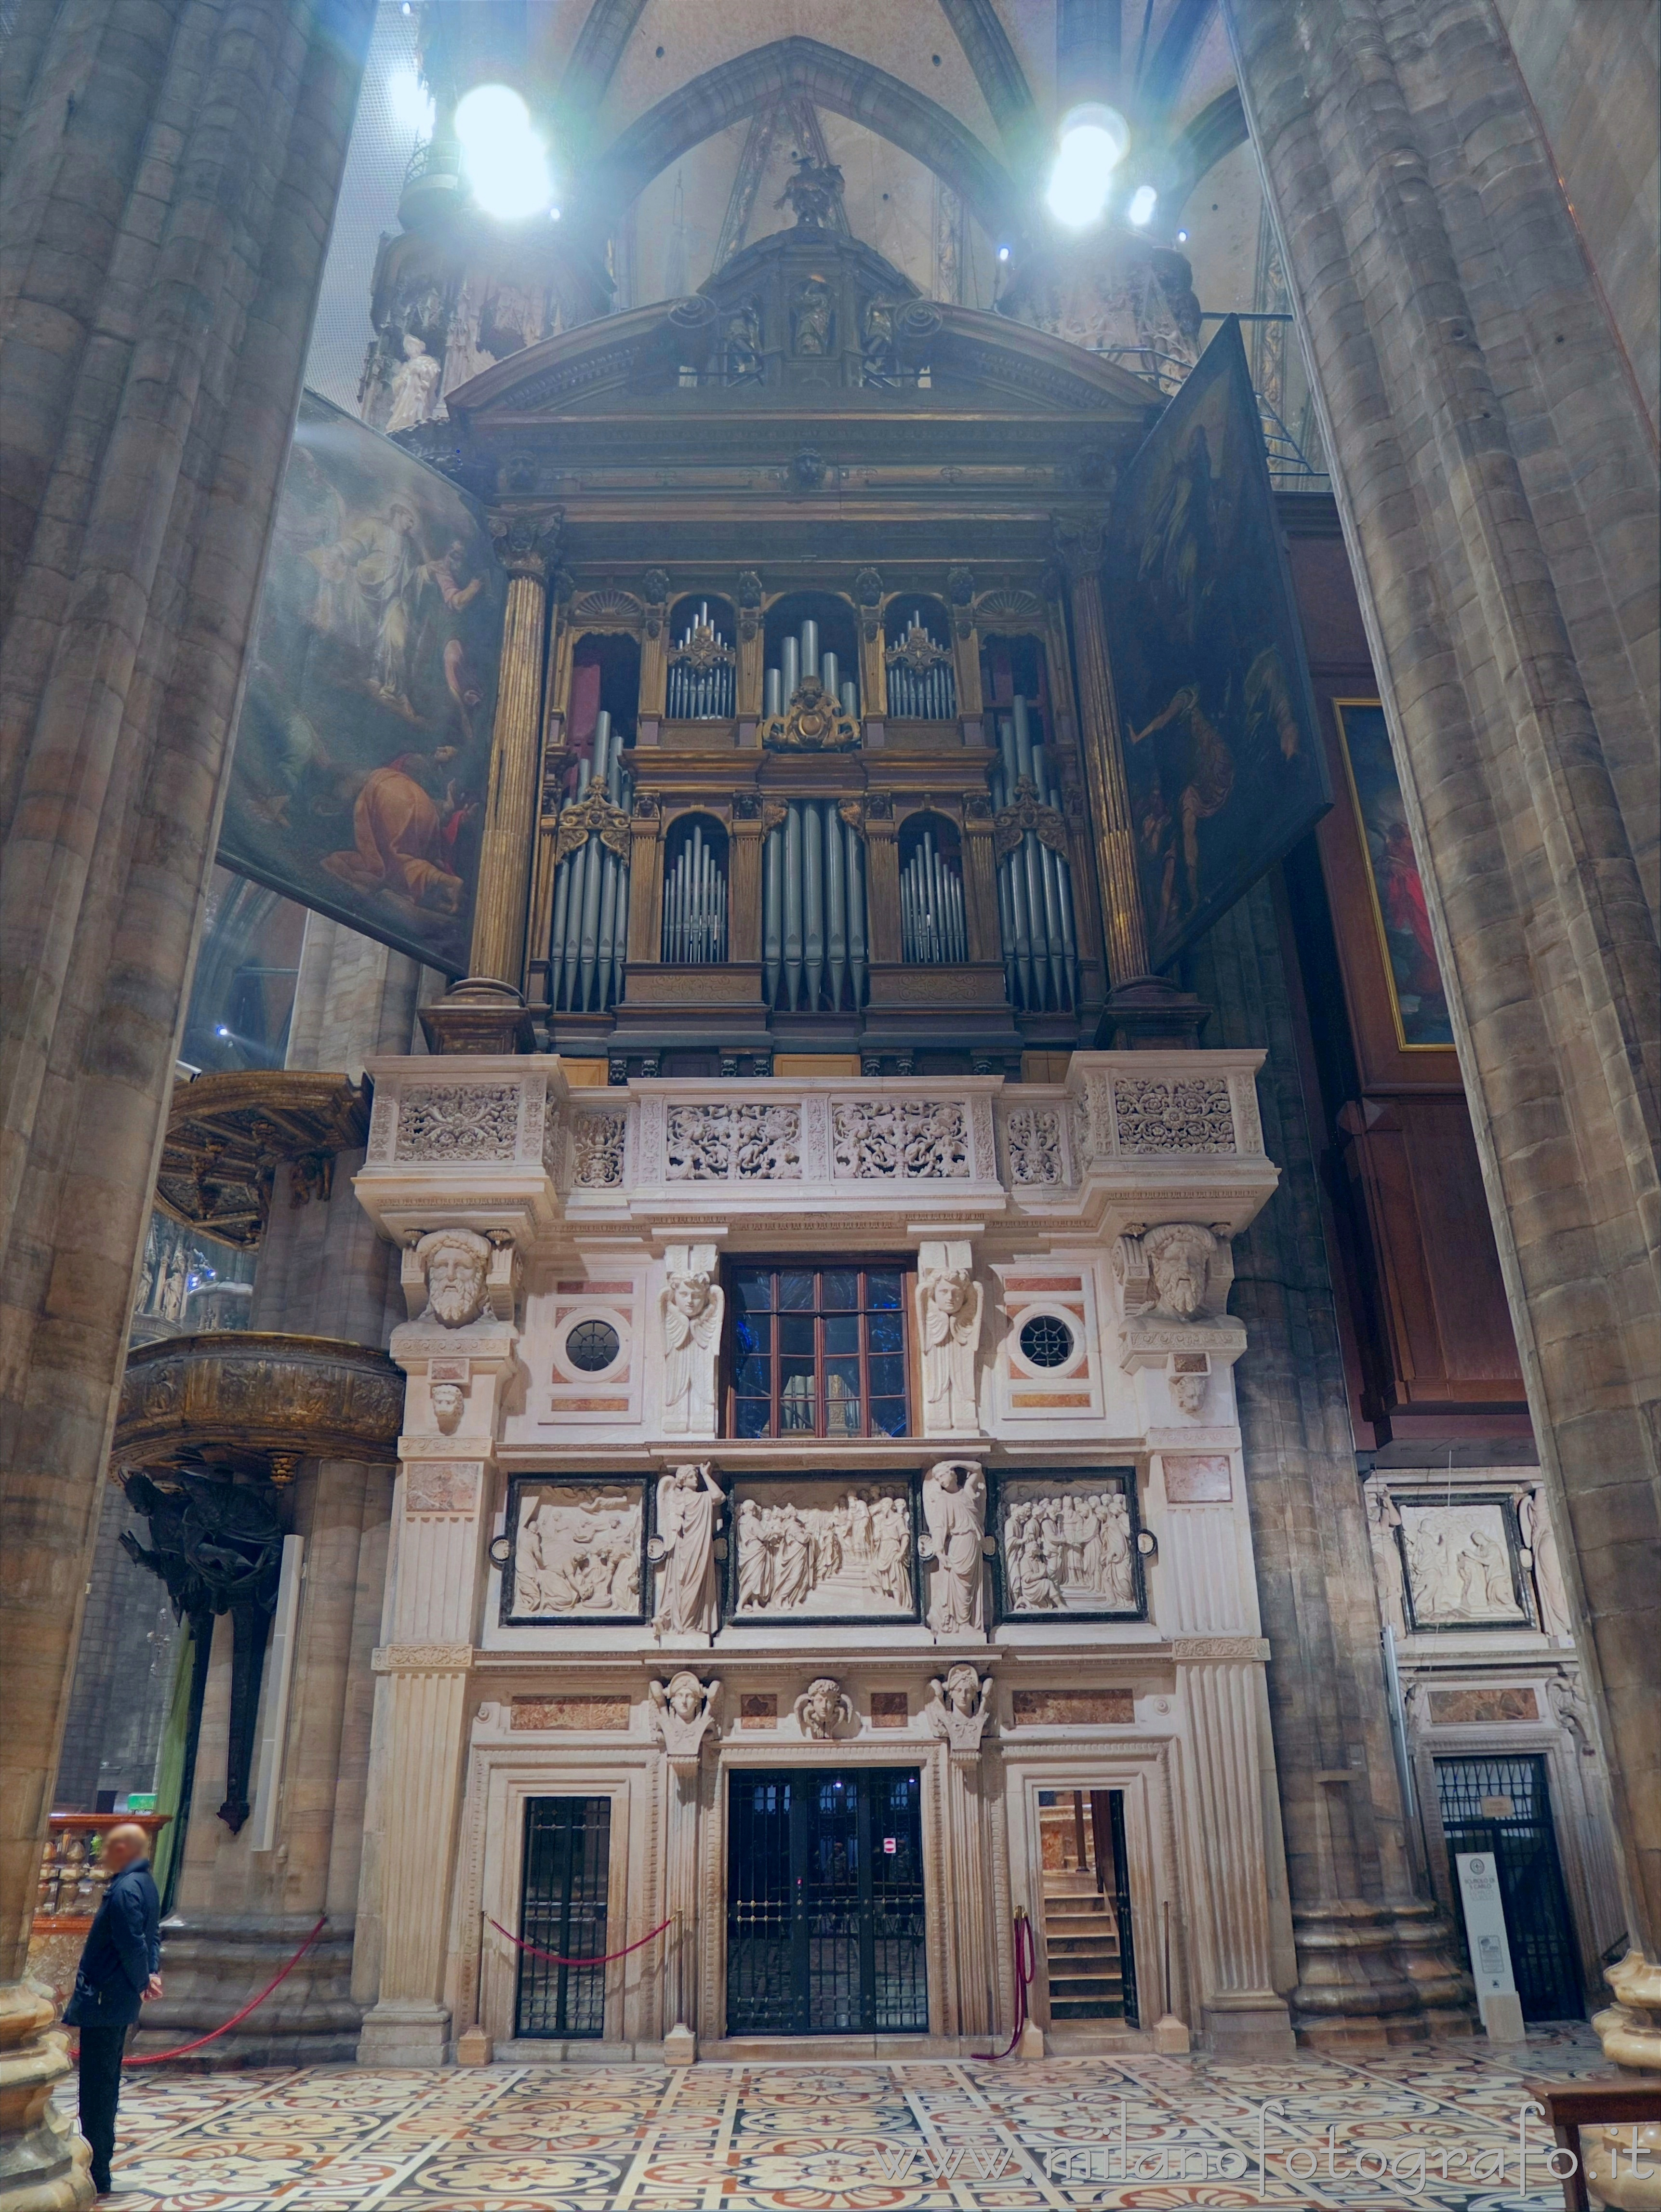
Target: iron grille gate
(825,1904)
(1523,1844)
(562,1910)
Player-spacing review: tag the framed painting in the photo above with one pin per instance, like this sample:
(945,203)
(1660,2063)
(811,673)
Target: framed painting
(363,747)
(1222,751)
(1396,908)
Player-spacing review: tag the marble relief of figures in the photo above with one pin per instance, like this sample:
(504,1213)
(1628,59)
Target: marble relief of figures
(1540,1543)
(688,1504)
(1068,1550)
(576,1552)
(1459,1566)
(809,1552)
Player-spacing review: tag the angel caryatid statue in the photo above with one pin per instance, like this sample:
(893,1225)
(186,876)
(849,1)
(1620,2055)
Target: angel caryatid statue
(954,1510)
(692,1306)
(684,1711)
(689,1500)
(949,1302)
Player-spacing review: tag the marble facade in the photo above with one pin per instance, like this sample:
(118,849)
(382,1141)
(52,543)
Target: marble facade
(1063,1603)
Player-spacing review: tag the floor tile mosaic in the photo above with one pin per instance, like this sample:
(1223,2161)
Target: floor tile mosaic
(1441,2127)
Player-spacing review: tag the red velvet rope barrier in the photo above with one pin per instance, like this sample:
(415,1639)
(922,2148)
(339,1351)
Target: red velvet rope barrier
(156,2058)
(1027,1961)
(554,1959)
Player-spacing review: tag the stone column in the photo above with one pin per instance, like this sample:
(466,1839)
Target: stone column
(524,547)
(458,1370)
(1374,1960)
(166,206)
(1499,487)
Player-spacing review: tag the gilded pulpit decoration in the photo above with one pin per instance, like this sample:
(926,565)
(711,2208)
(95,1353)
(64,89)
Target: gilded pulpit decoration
(812,194)
(812,722)
(526,544)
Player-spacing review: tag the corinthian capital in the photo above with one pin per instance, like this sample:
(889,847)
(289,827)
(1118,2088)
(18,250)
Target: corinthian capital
(1078,545)
(527,545)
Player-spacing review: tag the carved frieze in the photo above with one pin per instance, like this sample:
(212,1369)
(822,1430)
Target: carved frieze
(458,1121)
(1067,1545)
(903,1140)
(822,1551)
(1033,1134)
(575,1552)
(597,1149)
(1155,1114)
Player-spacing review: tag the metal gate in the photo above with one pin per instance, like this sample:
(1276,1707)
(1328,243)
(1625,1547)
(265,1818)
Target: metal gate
(562,1911)
(1501,1806)
(825,1904)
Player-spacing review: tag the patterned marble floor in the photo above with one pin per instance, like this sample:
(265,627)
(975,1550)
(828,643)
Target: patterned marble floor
(1437,2127)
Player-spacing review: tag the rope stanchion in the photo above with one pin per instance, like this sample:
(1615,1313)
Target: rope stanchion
(160,2058)
(554,1959)
(1027,1963)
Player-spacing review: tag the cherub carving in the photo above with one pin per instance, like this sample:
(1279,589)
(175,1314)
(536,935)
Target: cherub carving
(823,1707)
(691,1305)
(949,1306)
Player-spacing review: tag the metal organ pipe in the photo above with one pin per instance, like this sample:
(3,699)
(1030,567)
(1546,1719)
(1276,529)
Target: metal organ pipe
(813,925)
(700,694)
(1035,885)
(933,927)
(772,912)
(589,950)
(793,905)
(798,657)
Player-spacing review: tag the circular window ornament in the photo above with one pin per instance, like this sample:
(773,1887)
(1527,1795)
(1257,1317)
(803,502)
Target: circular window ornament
(593,1346)
(1046,1341)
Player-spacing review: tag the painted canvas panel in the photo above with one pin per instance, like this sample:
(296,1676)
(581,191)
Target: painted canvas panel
(1421,1004)
(364,743)
(1222,756)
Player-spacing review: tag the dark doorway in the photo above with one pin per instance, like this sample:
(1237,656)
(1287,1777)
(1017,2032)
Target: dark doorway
(1088,1952)
(1501,1806)
(825,1904)
(567,1848)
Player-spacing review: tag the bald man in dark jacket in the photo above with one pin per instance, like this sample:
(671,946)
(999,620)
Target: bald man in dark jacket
(120,1967)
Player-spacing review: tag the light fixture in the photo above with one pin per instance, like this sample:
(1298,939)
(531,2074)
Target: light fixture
(1003,253)
(1181,238)
(222,1030)
(1143,201)
(410,102)
(506,163)
(1093,143)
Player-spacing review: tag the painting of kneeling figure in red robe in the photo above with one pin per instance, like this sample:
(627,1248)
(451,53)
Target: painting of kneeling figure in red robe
(363,746)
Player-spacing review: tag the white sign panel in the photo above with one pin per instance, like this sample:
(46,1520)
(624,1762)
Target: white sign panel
(1485,1928)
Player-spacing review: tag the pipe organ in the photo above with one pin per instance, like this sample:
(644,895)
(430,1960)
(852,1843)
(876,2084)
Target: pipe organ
(701,673)
(1035,885)
(591,885)
(694,901)
(842,798)
(813,939)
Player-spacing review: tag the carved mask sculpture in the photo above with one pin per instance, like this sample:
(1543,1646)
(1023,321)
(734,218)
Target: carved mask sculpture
(446,1405)
(1179,1253)
(454,1263)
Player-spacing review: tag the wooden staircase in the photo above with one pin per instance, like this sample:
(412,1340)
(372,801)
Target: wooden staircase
(1081,1947)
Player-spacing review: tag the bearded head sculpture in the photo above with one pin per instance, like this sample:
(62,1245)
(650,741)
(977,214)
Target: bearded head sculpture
(1180,1254)
(455,1263)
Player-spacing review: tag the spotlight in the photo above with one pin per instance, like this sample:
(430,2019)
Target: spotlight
(410,102)
(1181,238)
(222,1030)
(1093,143)
(506,163)
(1143,201)
(1003,253)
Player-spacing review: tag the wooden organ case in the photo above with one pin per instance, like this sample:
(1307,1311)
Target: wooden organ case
(799,748)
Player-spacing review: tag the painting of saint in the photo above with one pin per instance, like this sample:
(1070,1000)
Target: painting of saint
(363,747)
(1423,1020)
(1223,764)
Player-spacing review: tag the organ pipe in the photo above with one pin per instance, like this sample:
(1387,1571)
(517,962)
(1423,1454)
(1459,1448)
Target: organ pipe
(1035,884)
(814,932)
(695,903)
(591,895)
(800,656)
(927,694)
(933,924)
(702,673)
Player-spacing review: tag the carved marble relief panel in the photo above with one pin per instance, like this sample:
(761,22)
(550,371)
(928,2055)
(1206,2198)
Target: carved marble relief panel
(1068,1544)
(1460,1563)
(572,1551)
(832,1550)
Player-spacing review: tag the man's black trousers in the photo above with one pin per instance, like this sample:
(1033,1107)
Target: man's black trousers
(101,2087)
